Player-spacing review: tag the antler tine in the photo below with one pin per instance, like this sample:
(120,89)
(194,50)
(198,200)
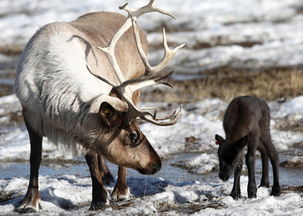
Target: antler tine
(153,74)
(168,56)
(110,49)
(144,81)
(134,112)
(161,121)
(168,53)
(100,78)
(146,9)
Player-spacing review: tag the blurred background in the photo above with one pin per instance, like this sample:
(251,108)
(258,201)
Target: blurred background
(233,47)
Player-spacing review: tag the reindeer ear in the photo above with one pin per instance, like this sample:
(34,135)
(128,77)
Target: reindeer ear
(219,139)
(108,113)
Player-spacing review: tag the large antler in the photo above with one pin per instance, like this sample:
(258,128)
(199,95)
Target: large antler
(153,74)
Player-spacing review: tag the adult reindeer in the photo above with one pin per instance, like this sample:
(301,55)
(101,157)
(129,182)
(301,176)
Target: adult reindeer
(79,83)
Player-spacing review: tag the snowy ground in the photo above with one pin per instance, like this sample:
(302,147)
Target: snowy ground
(200,192)
(250,34)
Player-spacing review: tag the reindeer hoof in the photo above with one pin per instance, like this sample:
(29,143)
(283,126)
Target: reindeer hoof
(276,191)
(108,178)
(95,206)
(121,194)
(27,208)
(264,184)
(98,205)
(252,195)
(30,203)
(235,196)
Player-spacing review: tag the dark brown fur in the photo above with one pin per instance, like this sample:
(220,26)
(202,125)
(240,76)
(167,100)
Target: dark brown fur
(246,123)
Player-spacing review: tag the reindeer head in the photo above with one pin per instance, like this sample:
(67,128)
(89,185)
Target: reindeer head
(125,144)
(230,154)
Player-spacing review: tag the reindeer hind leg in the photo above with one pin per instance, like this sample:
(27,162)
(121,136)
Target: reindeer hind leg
(265,160)
(30,202)
(274,159)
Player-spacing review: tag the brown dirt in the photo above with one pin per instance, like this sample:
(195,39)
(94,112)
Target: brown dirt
(206,45)
(298,189)
(5,90)
(292,164)
(188,208)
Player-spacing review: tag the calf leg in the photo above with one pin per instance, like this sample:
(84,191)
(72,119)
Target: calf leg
(274,159)
(30,202)
(121,190)
(250,162)
(99,193)
(236,191)
(265,160)
(106,176)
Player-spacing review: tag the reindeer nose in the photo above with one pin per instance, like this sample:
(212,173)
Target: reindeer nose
(155,167)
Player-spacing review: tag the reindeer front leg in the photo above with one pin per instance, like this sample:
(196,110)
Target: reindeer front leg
(236,191)
(105,173)
(250,162)
(121,190)
(30,202)
(99,193)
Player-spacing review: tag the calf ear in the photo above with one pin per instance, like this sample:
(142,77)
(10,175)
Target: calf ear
(108,114)
(219,139)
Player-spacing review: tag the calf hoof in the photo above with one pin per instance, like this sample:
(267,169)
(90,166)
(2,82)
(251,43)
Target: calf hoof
(252,194)
(235,196)
(95,206)
(276,191)
(120,194)
(252,191)
(108,178)
(264,184)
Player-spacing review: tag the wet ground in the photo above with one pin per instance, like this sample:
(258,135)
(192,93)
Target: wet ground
(289,177)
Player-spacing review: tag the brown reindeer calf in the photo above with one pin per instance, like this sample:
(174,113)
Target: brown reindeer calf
(246,123)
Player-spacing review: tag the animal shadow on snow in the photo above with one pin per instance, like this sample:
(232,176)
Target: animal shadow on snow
(142,186)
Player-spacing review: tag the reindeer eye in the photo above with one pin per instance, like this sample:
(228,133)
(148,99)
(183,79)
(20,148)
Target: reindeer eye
(133,137)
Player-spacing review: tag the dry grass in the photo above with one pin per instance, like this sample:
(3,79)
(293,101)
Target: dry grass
(285,124)
(227,83)
(11,50)
(224,83)
(7,88)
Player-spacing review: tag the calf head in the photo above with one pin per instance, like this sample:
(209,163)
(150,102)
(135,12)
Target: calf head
(230,154)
